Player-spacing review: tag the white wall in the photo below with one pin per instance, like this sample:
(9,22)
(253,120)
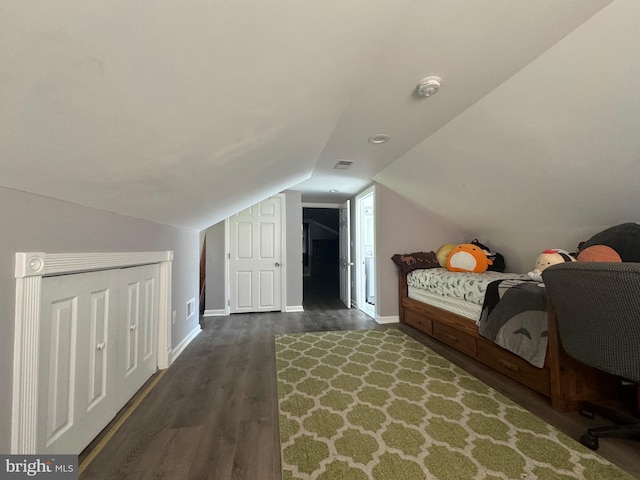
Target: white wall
(34,223)
(403,227)
(293,265)
(215,291)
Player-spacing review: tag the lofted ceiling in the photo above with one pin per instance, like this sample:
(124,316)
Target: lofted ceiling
(185,112)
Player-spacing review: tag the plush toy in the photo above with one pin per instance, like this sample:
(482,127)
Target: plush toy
(623,238)
(498,264)
(598,253)
(546,258)
(468,257)
(443,253)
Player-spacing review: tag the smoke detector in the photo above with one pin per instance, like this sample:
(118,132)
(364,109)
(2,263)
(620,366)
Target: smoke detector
(428,86)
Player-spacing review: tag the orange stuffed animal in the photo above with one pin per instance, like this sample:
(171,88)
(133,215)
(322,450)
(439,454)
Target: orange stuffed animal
(468,257)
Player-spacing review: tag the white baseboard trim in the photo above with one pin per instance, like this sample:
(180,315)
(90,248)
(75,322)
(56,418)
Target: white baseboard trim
(175,352)
(388,319)
(215,313)
(293,309)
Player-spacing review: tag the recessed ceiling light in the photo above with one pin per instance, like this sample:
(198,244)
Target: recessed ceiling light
(379,138)
(333,190)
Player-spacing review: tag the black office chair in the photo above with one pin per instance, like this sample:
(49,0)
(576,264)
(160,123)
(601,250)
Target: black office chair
(597,307)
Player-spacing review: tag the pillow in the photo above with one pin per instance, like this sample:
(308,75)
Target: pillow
(408,262)
(598,253)
(623,238)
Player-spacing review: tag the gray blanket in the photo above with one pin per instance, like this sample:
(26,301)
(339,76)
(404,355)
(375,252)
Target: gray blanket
(514,316)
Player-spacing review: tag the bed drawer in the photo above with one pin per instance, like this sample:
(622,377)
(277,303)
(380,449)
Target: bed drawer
(461,341)
(515,367)
(419,321)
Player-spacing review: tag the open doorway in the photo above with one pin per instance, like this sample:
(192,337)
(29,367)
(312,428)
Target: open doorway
(365,252)
(320,251)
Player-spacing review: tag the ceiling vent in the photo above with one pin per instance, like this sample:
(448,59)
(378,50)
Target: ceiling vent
(343,164)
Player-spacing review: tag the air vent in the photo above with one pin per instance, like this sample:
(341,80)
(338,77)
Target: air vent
(343,164)
(191,308)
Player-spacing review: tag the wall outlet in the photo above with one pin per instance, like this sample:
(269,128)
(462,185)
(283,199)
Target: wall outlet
(173,318)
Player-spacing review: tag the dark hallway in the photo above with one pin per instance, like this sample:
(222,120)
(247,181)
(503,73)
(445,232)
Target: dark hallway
(321,284)
(321,293)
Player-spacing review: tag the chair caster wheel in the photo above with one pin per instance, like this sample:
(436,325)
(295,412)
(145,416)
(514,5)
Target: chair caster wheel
(589,441)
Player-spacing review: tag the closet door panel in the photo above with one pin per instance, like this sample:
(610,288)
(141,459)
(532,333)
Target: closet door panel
(138,329)
(99,395)
(101,345)
(61,378)
(149,314)
(129,335)
(77,384)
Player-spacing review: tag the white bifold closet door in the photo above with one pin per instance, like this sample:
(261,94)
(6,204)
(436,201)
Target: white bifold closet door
(137,329)
(97,348)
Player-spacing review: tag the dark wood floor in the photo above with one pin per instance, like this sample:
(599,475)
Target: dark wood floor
(213,415)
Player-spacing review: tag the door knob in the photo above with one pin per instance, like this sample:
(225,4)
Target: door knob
(100,346)
(277,264)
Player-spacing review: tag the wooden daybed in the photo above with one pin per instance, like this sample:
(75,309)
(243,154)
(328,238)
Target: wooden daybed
(563,380)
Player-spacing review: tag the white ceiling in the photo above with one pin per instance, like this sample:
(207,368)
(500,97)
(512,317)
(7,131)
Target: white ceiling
(184,112)
(554,147)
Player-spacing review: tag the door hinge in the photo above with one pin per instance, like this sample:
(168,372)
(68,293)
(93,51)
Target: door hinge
(229,255)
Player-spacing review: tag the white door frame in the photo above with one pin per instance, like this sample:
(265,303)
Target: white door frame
(283,262)
(360,276)
(30,268)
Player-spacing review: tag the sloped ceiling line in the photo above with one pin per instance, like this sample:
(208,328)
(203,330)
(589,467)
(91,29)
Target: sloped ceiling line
(186,112)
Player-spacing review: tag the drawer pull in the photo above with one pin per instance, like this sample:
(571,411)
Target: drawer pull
(453,338)
(508,365)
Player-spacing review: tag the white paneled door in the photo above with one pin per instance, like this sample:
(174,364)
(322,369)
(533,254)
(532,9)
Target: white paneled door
(97,348)
(365,252)
(344,225)
(78,353)
(137,328)
(255,258)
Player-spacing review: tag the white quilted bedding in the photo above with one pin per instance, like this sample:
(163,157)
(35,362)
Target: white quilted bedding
(470,287)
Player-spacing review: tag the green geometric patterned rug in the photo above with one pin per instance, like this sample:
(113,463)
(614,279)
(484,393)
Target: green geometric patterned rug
(376,404)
